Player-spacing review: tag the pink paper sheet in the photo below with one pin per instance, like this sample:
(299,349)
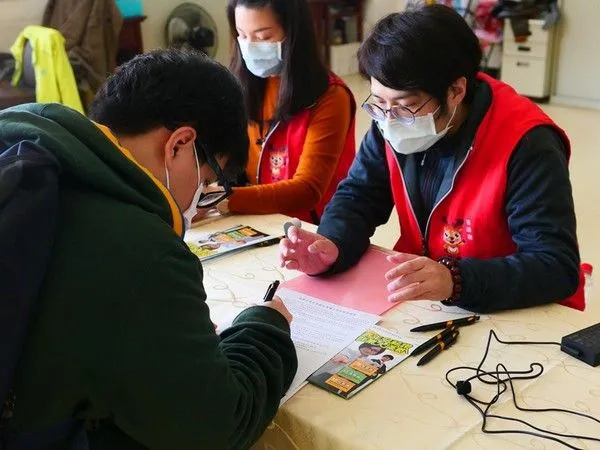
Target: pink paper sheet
(363,287)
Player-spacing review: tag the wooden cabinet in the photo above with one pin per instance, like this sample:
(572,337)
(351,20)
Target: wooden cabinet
(130,40)
(325,12)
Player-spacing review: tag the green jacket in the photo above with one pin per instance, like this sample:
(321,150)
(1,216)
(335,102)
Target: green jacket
(122,331)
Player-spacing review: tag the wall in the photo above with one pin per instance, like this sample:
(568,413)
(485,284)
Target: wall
(577,65)
(158,10)
(377,9)
(16,15)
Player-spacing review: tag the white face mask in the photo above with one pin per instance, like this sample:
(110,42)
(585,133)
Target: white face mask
(191,211)
(263,59)
(416,137)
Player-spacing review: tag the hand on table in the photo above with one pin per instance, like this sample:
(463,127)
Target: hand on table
(222,208)
(418,278)
(278,305)
(307,252)
(201,214)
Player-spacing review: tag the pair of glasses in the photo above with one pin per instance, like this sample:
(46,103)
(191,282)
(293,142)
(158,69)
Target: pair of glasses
(398,112)
(210,199)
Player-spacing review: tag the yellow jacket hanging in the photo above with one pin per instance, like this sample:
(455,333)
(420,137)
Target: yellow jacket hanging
(54,78)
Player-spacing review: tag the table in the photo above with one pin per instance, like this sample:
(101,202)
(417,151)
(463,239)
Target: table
(414,408)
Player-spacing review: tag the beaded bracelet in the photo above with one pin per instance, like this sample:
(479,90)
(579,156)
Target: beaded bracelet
(457,280)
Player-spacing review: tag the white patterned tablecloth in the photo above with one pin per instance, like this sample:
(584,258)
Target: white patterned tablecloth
(413,407)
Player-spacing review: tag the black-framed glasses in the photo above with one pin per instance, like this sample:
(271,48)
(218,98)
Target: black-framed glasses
(398,112)
(210,199)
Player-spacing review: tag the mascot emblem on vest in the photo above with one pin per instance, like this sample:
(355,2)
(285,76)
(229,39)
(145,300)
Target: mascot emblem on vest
(453,237)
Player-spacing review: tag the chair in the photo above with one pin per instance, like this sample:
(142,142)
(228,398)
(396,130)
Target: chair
(25,93)
(50,78)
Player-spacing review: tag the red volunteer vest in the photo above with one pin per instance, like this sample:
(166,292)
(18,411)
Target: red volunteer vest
(283,147)
(470,222)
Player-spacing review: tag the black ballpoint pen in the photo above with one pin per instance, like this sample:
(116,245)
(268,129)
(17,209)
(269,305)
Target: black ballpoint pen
(268,243)
(441,325)
(271,291)
(434,340)
(439,347)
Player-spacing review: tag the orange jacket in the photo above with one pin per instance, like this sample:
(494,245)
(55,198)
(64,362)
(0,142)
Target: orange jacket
(298,164)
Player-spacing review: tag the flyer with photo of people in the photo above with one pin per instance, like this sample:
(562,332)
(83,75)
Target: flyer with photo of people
(369,357)
(227,241)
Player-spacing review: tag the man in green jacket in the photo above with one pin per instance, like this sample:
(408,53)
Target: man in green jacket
(120,336)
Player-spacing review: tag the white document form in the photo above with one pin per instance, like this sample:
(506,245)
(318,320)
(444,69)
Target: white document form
(320,330)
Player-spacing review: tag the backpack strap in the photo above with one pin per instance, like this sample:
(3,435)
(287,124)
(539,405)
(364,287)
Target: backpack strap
(28,217)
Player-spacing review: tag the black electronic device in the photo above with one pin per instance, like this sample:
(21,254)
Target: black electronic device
(584,345)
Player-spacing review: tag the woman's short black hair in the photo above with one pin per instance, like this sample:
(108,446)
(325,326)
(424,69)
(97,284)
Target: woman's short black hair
(426,48)
(304,77)
(174,88)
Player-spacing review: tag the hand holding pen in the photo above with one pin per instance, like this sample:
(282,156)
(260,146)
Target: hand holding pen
(305,251)
(275,303)
(270,294)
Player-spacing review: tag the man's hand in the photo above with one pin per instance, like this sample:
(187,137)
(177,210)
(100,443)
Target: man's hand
(418,278)
(307,252)
(278,305)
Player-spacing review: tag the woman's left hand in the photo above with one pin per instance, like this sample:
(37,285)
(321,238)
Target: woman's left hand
(418,278)
(201,214)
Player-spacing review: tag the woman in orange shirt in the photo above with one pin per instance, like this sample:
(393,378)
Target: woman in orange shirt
(301,126)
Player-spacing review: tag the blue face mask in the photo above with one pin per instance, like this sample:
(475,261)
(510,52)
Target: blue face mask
(262,59)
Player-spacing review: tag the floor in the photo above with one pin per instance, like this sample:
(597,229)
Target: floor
(583,128)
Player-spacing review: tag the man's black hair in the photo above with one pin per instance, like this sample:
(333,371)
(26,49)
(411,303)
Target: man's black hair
(426,48)
(174,88)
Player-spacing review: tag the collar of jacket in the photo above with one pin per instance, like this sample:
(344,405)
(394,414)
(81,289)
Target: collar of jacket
(409,163)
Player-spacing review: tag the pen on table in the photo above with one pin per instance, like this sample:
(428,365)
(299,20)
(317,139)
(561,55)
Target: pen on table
(434,340)
(270,242)
(441,325)
(439,347)
(271,291)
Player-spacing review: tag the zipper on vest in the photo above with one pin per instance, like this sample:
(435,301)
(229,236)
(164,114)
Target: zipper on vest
(442,199)
(262,150)
(423,246)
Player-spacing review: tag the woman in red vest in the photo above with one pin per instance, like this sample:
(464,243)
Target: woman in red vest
(301,126)
(478,174)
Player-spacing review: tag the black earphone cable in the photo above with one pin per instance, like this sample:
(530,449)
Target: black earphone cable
(503,378)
